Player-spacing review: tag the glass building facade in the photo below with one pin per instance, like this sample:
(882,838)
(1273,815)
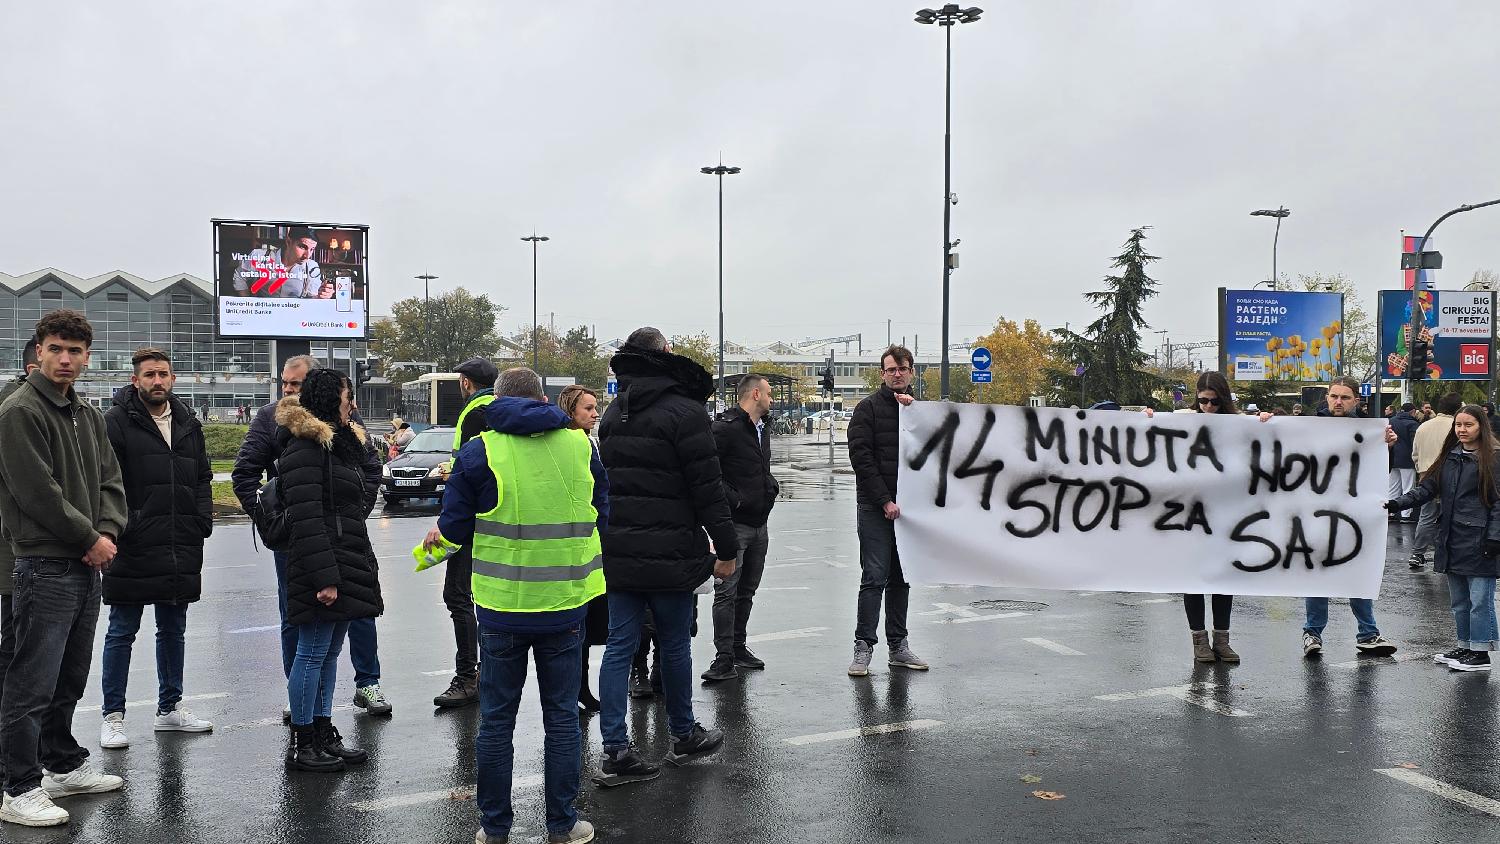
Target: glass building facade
(175,314)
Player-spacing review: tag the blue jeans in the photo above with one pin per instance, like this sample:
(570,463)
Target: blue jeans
(673,612)
(502,676)
(1473,600)
(171,628)
(1364,615)
(363,653)
(54,610)
(315,670)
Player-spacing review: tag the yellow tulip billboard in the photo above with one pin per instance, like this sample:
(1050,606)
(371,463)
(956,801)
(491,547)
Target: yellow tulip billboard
(1276,335)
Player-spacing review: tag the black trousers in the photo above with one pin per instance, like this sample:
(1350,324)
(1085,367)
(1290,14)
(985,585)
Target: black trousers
(1222,605)
(458,595)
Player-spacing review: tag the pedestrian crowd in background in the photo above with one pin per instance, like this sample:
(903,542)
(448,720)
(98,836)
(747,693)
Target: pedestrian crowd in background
(554,541)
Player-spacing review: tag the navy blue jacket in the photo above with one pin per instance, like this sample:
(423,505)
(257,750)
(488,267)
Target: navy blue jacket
(471,490)
(1406,430)
(1465,524)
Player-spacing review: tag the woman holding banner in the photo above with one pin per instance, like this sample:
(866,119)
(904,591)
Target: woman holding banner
(1213,397)
(1468,534)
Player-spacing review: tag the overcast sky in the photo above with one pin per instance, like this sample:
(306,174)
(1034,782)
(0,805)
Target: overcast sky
(453,128)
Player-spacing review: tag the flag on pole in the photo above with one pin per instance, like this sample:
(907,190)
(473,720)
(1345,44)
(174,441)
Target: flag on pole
(1410,278)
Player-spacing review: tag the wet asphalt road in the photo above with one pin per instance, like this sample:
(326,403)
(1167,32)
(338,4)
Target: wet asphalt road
(1090,693)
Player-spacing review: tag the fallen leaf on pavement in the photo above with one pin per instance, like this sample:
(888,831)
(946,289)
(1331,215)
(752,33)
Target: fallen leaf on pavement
(461,794)
(1048,795)
(1030,778)
(1407,765)
(1032,752)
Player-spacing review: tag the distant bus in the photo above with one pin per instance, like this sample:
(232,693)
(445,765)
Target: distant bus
(432,399)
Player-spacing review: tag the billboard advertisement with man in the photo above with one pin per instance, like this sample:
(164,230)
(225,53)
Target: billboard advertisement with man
(1279,335)
(291,280)
(1459,325)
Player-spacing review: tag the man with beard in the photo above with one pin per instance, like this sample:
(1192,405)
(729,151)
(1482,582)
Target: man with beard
(164,460)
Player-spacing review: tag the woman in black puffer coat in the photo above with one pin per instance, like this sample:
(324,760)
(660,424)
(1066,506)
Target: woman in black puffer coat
(331,571)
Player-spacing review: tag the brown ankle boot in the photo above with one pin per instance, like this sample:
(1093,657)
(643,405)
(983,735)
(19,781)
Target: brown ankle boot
(1221,647)
(1201,651)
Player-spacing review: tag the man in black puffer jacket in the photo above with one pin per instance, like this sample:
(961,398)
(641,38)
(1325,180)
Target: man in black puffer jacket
(743,438)
(665,489)
(874,448)
(160,562)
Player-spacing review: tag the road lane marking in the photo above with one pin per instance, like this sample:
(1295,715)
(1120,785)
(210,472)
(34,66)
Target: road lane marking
(951,609)
(261,629)
(1443,790)
(981,618)
(1187,693)
(1050,645)
(274,721)
(877,729)
(137,704)
(420,797)
(802,633)
(1365,662)
(1159,601)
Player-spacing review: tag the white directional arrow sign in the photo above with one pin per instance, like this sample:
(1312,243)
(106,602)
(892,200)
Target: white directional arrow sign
(980,358)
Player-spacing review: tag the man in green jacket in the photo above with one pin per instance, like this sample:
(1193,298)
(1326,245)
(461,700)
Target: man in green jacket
(62,502)
(7,558)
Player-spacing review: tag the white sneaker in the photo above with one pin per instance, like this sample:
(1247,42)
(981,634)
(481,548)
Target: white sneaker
(81,780)
(112,732)
(34,808)
(182,720)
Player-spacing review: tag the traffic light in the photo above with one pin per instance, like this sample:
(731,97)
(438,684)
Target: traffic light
(1416,363)
(827,378)
(361,372)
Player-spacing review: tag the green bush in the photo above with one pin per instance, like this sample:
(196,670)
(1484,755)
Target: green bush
(224,440)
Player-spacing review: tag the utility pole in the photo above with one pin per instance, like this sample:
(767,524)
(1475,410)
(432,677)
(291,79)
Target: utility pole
(534,239)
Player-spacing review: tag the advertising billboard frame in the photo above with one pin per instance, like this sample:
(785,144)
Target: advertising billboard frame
(1455,374)
(1225,357)
(364,231)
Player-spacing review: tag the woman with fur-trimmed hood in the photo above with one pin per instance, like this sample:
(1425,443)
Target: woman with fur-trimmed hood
(331,569)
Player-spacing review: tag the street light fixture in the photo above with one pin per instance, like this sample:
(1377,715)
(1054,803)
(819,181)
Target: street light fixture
(535,325)
(721,171)
(946,17)
(1280,214)
(426,278)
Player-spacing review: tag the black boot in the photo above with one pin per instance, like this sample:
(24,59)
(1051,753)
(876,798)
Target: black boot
(640,684)
(329,740)
(305,753)
(586,700)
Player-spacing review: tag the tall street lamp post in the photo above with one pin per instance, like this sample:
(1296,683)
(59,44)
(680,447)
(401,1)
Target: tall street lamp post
(721,171)
(946,17)
(1280,214)
(427,279)
(534,239)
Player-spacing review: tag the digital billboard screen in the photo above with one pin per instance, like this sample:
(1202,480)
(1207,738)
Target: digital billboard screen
(288,280)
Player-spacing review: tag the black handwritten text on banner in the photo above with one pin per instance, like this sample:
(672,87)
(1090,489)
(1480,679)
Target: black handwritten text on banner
(1062,499)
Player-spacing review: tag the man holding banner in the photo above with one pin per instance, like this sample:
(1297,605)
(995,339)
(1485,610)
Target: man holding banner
(1343,402)
(874,451)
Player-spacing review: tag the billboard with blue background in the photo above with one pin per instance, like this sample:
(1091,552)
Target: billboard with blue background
(1460,325)
(1279,335)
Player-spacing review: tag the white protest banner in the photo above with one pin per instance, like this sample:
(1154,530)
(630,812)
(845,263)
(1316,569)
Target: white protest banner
(1117,501)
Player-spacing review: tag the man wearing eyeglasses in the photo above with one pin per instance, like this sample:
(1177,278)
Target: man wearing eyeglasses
(1343,403)
(874,437)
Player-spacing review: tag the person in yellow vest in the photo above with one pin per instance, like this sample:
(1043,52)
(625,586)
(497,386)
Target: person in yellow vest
(526,497)
(476,381)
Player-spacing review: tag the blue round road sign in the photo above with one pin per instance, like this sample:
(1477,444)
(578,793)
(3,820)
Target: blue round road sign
(980,359)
